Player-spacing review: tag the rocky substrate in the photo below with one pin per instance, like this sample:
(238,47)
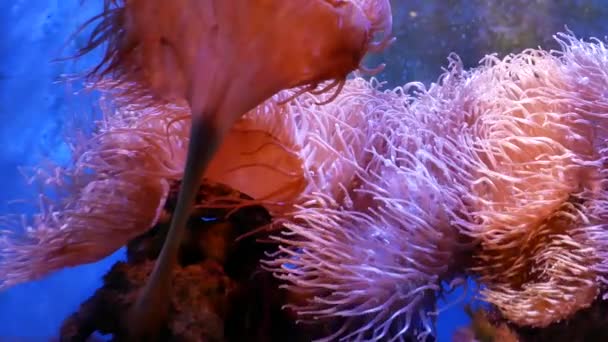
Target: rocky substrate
(220,292)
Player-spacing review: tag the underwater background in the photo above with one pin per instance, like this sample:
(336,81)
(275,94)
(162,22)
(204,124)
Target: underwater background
(37,105)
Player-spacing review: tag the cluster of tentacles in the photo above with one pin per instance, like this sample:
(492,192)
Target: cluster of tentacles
(378,196)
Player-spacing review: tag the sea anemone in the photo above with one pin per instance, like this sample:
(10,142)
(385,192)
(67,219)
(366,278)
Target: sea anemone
(225,58)
(537,199)
(372,257)
(503,162)
(121,174)
(379,197)
(154,77)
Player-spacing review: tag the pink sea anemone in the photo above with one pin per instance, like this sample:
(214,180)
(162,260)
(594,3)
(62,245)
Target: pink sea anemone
(225,58)
(152,56)
(538,197)
(373,256)
(379,196)
(121,175)
(504,162)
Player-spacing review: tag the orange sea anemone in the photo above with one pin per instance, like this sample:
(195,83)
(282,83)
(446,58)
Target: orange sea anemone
(224,58)
(372,256)
(496,172)
(504,162)
(537,200)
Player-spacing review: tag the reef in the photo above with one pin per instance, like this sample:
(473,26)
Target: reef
(378,198)
(489,325)
(220,291)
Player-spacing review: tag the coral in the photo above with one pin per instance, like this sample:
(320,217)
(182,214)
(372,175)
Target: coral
(383,218)
(504,162)
(114,191)
(218,286)
(225,58)
(485,327)
(489,325)
(175,51)
(193,316)
(537,197)
(379,197)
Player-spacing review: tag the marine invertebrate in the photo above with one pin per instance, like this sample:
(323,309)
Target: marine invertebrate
(371,256)
(384,195)
(503,162)
(537,200)
(489,325)
(196,51)
(133,60)
(211,279)
(196,309)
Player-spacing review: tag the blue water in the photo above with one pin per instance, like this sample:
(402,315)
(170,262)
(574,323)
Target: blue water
(34,107)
